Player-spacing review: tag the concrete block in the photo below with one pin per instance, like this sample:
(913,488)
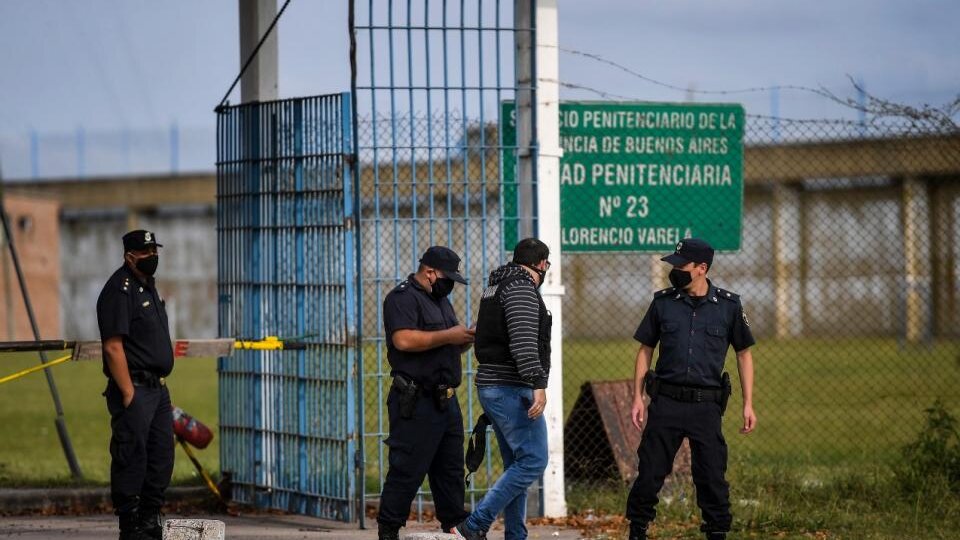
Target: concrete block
(429,536)
(193,529)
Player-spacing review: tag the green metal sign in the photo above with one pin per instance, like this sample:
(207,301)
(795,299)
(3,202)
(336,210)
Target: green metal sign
(639,176)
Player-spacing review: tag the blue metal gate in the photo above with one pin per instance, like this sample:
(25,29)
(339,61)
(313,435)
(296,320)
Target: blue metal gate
(429,78)
(287,268)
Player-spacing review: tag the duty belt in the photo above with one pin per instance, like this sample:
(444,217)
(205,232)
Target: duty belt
(690,394)
(147,379)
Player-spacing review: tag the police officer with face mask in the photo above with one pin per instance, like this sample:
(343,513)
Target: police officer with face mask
(694,323)
(424,344)
(137,355)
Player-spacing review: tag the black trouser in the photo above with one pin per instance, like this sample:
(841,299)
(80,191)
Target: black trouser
(141,448)
(429,444)
(668,422)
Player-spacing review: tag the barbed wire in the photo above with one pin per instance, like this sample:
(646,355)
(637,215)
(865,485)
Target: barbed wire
(939,116)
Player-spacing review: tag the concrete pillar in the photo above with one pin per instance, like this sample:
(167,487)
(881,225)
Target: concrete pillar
(945,260)
(524,67)
(916,251)
(787,248)
(259,82)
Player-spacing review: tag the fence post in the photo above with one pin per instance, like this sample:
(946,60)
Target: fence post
(547,118)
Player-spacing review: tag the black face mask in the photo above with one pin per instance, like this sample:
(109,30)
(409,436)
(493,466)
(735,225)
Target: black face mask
(541,273)
(148,265)
(441,288)
(680,278)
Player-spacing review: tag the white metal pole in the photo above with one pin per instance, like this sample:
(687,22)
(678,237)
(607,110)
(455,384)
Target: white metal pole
(548,218)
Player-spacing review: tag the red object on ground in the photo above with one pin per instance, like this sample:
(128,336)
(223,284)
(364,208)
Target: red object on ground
(190,429)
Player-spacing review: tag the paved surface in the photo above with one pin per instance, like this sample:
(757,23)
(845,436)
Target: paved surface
(259,527)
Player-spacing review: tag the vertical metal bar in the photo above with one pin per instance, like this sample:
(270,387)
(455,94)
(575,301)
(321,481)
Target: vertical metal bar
(429,92)
(413,153)
(304,472)
(350,242)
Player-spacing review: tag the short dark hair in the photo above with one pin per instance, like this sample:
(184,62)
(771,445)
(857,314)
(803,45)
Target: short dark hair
(530,251)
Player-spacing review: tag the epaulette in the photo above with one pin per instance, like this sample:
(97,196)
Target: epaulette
(402,286)
(663,292)
(732,296)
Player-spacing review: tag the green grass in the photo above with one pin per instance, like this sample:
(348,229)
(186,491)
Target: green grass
(30,453)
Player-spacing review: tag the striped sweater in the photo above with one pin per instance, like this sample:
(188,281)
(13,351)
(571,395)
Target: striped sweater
(520,301)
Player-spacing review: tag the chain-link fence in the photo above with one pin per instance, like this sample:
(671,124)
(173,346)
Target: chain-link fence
(847,268)
(848,273)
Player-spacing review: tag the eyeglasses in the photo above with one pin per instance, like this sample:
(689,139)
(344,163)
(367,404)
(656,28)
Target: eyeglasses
(548,266)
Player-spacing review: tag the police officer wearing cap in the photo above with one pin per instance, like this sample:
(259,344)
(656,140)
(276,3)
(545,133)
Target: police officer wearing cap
(137,355)
(424,343)
(694,322)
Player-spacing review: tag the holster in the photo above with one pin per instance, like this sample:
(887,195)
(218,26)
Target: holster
(408,393)
(727,389)
(651,385)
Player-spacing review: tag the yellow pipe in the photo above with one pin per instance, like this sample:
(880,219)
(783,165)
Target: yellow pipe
(270,343)
(34,369)
(203,472)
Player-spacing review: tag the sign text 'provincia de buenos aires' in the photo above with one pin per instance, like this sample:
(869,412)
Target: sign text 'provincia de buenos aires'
(640,176)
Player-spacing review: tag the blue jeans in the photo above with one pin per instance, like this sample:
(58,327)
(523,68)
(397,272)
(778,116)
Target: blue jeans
(523,445)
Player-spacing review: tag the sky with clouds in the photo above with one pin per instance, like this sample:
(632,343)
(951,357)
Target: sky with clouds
(108,64)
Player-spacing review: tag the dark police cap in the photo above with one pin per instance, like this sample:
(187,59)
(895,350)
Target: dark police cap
(139,240)
(692,250)
(445,260)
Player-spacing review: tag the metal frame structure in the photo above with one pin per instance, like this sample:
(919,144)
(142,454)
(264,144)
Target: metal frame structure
(428,79)
(287,267)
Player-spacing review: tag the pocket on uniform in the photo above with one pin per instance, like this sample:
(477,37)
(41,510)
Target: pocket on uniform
(717,338)
(400,451)
(123,442)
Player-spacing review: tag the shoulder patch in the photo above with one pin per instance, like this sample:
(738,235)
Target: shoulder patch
(663,292)
(732,296)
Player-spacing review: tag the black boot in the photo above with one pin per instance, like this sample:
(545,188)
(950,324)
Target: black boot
(130,528)
(638,531)
(716,536)
(151,523)
(388,532)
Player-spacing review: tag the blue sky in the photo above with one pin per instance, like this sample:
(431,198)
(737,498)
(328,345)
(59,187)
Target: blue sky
(108,64)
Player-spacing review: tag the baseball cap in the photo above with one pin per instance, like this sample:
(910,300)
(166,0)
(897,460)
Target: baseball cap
(139,239)
(693,250)
(445,260)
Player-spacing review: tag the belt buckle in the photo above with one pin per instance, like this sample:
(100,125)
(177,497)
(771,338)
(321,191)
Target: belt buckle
(450,393)
(163,381)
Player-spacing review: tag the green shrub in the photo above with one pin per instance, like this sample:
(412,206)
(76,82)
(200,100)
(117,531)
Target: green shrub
(932,461)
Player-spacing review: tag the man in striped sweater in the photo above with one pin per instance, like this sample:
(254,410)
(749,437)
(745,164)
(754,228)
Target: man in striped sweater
(513,349)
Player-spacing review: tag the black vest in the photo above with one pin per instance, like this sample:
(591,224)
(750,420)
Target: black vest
(492,344)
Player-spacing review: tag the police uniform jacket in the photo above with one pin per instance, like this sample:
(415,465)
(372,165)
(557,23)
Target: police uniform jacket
(694,334)
(410,306)
(134,309)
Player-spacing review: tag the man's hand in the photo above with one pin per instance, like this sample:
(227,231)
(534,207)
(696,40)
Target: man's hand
(749,419)
(637,411)
(128,397)
(539,403)
(460,335)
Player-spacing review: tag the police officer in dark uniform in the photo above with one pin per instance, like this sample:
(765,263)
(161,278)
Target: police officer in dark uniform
(424,344)
(694,322)
(137,355)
